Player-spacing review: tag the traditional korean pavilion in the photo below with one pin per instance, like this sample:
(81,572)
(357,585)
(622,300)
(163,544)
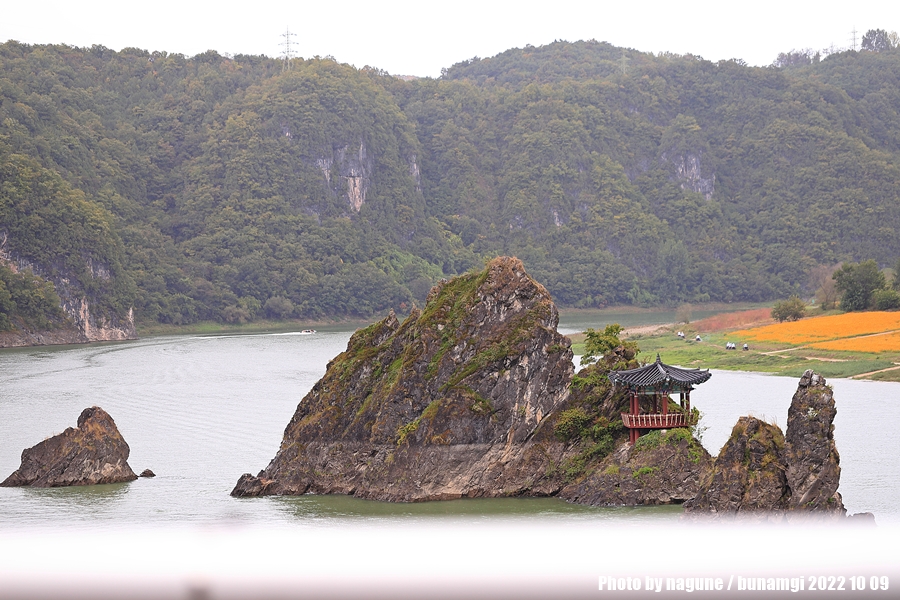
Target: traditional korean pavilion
(655,382)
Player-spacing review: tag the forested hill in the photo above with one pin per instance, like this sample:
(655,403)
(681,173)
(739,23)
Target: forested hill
(230,188)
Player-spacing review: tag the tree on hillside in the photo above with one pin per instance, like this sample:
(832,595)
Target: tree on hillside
(857,283)
(877,40)
(6,307)
(796,58)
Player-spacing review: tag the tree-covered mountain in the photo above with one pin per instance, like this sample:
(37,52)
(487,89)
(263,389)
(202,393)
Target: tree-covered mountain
(231,188)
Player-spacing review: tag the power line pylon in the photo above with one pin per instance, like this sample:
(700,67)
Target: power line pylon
(287,53)
(854,38)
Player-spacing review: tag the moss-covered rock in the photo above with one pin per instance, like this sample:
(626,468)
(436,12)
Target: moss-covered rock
(748,475)
(444,405)
(474,395)
(763,473)
(813,464)
(663,467)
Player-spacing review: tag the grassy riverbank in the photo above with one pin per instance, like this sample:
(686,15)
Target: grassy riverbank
(858,345)
(779,359)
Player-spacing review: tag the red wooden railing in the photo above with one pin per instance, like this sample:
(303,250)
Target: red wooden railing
(656,421)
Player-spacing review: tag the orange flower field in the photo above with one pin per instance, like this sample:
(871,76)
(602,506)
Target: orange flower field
(834,329)
(888,342)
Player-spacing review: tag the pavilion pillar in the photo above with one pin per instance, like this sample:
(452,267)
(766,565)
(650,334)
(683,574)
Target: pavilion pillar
(664,398)
(635,398)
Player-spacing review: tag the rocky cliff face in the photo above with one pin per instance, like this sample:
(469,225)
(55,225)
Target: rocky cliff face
(762,472)
(348,173)
(84,324)
(94,452)
(689,172)
(444,405)
(99,328)
(86,328)
(19,338)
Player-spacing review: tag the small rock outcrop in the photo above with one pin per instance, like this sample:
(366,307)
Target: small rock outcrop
(445,405)
(147,473)
(660,468)
(748,473)
(92,453)
(763,472)
(813,464)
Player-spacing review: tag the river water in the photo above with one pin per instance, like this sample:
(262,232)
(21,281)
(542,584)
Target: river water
(200,410)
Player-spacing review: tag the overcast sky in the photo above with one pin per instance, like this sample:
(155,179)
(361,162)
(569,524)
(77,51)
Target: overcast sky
(419,38)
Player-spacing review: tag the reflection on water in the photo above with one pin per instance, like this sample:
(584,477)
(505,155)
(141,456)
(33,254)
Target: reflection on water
(311,507)
(27,506)
(79,495)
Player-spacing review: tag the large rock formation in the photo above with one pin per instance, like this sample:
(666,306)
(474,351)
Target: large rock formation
(444,405)
(474,396)
(763,473)
(94,452)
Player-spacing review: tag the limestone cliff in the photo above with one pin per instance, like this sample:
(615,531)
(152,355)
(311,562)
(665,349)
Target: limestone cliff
(764,473)
(84,323)
(348,173)
(94,452)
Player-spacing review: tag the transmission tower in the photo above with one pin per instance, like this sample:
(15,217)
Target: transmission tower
(287,54)
(853,39)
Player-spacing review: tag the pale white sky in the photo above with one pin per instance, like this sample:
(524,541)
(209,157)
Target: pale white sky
(419,38)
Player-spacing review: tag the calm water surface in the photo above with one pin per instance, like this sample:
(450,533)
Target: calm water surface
(201,410)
